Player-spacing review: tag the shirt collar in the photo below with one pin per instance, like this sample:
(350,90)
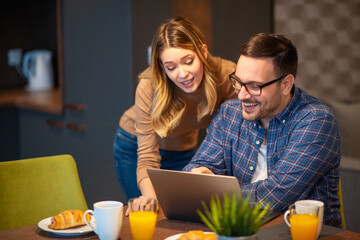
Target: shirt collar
(284,115)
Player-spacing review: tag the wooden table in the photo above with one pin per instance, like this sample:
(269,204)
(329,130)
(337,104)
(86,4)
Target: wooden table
(275,229)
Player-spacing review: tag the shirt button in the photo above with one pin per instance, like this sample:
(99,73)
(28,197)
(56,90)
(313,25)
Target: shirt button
(284,121)
(251,168)
(257,142)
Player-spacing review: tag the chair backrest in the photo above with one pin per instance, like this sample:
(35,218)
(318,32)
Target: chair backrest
(37,188)
(341,205)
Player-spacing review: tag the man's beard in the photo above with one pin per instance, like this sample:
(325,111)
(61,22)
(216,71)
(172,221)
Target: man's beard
(252,116)
(263,109)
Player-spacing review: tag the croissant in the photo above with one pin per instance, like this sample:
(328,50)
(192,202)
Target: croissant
(197,235)
(68,219)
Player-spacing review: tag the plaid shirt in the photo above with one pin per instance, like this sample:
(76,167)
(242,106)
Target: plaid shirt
(303,153)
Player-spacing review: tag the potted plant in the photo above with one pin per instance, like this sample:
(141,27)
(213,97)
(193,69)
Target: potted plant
(233,217)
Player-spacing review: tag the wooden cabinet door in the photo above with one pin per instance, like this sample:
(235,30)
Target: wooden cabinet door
(97,56)
(45,134)
(9,134)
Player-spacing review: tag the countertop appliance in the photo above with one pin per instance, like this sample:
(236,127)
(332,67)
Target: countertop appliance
(38,70)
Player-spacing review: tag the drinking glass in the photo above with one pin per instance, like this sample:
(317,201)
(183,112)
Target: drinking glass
(303,221)
(299,205)
(142,216)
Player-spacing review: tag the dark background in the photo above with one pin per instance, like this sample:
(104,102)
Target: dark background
(103,47)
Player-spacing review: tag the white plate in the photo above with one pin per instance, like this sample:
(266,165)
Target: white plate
(176,236)
(43,224)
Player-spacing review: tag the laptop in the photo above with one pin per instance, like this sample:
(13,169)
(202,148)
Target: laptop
(180,193)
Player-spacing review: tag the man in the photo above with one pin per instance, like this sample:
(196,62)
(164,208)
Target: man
(281,143)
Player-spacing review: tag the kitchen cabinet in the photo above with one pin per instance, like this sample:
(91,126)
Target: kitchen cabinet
(97,82)
(97,57)
(45,134)
(96,44)
(26,26)
(9,145)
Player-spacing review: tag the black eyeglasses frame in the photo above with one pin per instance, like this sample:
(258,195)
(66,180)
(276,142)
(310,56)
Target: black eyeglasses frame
(233,76)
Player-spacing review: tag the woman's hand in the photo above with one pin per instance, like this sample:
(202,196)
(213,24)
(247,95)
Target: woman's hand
(140,203)
(147,192)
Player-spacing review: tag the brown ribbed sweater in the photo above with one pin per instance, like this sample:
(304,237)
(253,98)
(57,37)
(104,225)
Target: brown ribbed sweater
(136,120)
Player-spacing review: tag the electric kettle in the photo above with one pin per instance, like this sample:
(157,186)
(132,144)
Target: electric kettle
(38,71)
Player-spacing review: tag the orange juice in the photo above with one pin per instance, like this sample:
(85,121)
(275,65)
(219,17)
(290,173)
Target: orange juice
(303,226)
(142,224)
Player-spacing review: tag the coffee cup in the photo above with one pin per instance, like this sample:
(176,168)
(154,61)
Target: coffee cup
(302,205)
(108,219)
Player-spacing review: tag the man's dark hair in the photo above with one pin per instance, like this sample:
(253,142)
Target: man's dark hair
(275,46)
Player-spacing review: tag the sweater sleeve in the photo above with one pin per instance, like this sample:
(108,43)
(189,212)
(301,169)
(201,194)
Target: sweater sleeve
(148,144)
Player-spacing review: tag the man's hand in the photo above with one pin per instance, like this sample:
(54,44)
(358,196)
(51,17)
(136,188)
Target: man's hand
(202,170)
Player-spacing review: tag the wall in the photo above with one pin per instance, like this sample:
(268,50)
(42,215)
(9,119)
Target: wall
(146,17)
(327,35)
(235,21)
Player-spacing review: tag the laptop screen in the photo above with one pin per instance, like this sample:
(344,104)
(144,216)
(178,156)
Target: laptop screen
(180,193)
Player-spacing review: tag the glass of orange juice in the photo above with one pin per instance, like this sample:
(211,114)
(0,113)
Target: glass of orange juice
(303,221)
(142,217)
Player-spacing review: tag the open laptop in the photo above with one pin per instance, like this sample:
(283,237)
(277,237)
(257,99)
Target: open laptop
(180,193)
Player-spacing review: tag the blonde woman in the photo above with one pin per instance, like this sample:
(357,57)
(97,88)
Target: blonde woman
(176,97)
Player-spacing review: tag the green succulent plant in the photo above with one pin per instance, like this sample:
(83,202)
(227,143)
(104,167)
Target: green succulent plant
(233,215)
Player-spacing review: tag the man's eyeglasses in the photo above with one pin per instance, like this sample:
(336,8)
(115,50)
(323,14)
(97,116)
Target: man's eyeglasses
(252,88)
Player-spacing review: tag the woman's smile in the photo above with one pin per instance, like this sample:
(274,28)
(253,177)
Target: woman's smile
(183,67)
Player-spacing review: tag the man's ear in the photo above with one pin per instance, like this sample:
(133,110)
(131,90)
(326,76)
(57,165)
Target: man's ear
(287,84)
(204,50)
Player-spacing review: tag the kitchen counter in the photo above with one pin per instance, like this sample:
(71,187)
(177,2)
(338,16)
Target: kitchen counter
(49,101)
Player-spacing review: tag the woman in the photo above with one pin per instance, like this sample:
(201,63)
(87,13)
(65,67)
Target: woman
(177,95)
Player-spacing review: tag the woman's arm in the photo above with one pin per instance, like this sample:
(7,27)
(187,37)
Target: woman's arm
(147,188)
(148,145)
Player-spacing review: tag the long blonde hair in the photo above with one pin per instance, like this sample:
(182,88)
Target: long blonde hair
(168,108)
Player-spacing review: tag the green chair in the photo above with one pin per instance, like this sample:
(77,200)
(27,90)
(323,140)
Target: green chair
(341,205)
(37,188)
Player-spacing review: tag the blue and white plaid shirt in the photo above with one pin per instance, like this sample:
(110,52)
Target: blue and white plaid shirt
(303,153)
